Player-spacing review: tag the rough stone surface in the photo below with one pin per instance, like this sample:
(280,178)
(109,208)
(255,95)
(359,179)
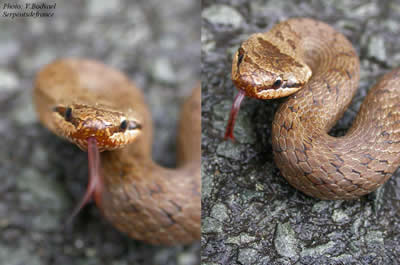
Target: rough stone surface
(285,241)
(157,43)
(242,176)
(222,15)
(247,256)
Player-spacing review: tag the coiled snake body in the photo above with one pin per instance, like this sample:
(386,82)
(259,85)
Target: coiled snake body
(319,64)
(98,108)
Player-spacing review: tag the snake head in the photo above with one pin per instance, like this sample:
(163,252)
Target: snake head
(268,68)
(112,129)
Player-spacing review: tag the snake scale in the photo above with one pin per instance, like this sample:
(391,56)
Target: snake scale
(318,69)
(99,109)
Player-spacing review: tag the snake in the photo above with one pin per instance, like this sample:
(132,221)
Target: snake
(316,69)
(100,110)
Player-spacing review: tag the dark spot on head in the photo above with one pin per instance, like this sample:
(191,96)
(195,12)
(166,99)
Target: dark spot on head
(272,51)
(279,35)
(269,47)
(348,74)
(292,44)
(297,64)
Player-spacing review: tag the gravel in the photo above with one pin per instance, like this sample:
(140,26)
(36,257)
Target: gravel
(157,44)
(244,193)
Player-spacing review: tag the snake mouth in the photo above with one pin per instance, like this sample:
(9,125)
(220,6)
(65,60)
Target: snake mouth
(268,93)
(112,129)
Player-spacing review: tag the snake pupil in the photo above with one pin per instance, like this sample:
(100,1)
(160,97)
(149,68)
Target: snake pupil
(277,84)
(68,114)
(124,125)
(240,56)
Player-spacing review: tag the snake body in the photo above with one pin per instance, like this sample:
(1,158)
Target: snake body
(319,65)
(92,104)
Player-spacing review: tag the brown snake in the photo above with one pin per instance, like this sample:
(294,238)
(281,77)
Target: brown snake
(318,63)
(99,109)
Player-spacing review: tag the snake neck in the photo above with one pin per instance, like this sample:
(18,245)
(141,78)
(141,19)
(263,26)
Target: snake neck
(334,65)
(150,202)
(309,158)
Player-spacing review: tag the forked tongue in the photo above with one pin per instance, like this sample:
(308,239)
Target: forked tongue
(232,116)
(95,183)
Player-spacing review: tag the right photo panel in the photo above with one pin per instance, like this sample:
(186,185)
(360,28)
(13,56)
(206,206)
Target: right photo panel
(300,132)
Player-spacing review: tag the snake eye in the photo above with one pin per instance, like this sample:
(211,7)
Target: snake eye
(130,125)
(68,114)
(240,56)
(277,84)
(65,112)
(124,125)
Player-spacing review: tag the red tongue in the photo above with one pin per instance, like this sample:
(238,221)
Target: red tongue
(232,116)
(95,184)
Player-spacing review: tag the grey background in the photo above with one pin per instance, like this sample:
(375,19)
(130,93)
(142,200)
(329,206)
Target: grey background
(156,43)
(251,215)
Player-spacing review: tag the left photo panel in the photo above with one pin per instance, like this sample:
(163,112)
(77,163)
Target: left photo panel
(100,129)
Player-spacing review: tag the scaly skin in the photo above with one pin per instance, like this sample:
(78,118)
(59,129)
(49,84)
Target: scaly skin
(320,63)
(140,198)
